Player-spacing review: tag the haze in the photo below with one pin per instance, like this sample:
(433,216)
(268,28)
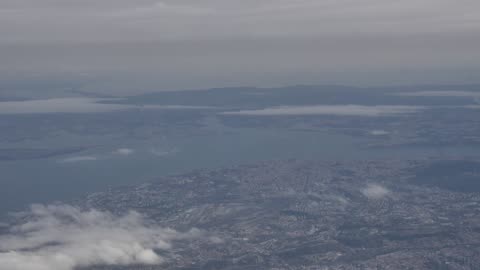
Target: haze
(128,47)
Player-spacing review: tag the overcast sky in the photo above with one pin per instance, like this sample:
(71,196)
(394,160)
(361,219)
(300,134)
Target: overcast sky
(120,45)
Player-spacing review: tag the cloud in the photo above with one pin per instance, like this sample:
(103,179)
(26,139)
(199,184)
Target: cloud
(124,151)
(58,105)
(475,95)
(78,159)
(163,152)
(63,237)
(171,19)
(375,191)
(129,46)
(345,110)
(79,105)
(379,132)
(177,107)
(441,94)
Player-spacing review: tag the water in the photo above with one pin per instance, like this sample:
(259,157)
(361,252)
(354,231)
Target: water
(46,180)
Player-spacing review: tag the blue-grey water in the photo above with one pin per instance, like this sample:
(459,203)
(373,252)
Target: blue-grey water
(46,180)
(167,141)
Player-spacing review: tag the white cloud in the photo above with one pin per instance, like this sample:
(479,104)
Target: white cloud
(469,94)
(163,152)
(124,151)
(441,94)
(375,191)
(79,105)
(379,132)
(58,105)
(63,237)
(78,159)
(346,110)
(177,107)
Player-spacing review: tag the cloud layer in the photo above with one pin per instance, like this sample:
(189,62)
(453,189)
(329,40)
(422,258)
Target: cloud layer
(78,159)
(128,46)
(174,20)
(58,105)
(345,110)
(379,132)
(124,151)
(375,191)
(441,94)
(79,105)
(63,237)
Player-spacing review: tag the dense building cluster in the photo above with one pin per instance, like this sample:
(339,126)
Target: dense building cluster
(313,215)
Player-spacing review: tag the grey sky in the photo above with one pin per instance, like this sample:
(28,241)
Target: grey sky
(174,44)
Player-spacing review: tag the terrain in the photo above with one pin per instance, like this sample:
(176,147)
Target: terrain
(314,215)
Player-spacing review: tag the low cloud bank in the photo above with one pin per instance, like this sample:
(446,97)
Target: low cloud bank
(77,105)
(124,151)
(163,152)
(78,159)
(177,107)
(342,110)
(59,105)
(63,237)
(375,191)
(440,94)
(379,132)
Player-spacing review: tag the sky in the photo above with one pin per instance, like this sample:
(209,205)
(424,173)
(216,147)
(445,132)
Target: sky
(119,46)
